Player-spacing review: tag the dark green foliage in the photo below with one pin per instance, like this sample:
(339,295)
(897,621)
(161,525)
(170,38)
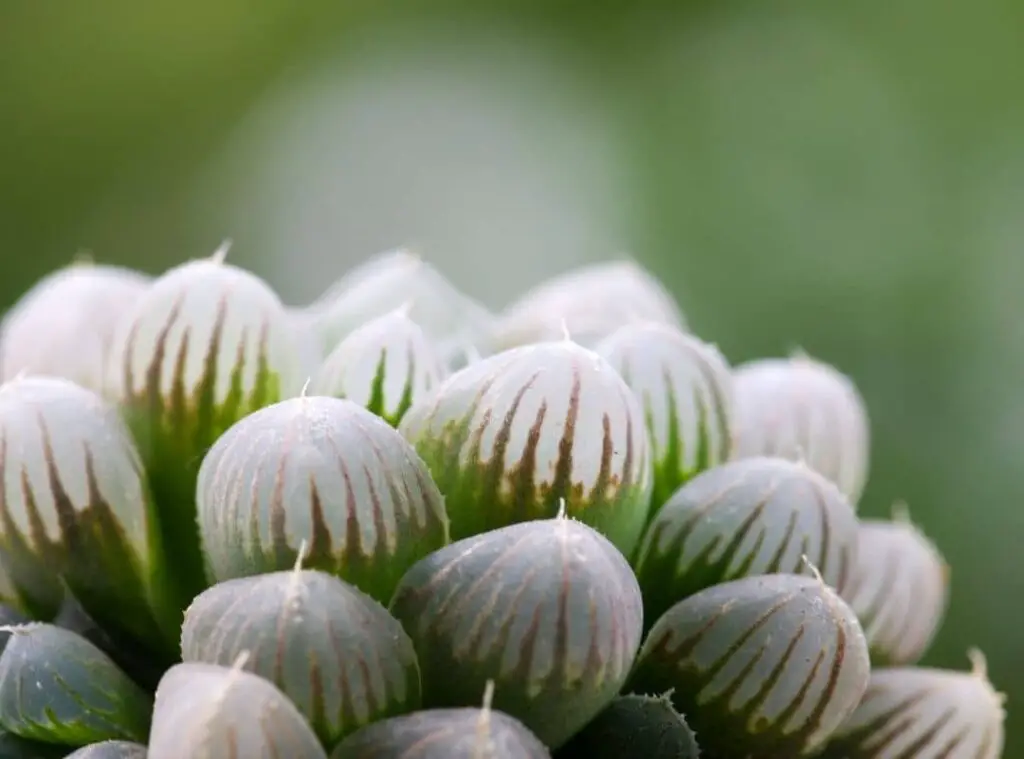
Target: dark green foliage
(634,727)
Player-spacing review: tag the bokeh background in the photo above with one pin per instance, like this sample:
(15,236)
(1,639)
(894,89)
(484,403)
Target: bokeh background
(843,177)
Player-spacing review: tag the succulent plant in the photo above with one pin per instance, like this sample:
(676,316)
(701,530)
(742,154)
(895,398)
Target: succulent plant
(206,710)
(803,409)
(685,389)
(325,472)
(76,509)
(750,517)
(465,733)
(335,652)
(197,476)
(110,750)
(926,714)
(590,302)
(548,610)
(57,687)
(899,588)
(511,436)
(206,344)
(645,727)
(764,666)
(397,279)
(64,325)
(385,366)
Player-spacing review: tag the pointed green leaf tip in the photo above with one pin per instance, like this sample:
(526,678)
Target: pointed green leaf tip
(206,344)
(207,710)
(635,726)
(685,389)
(749,517)
(510,436)
(57,687)
(75,504)
(326,472)
(385,366)
(924,712)
(334,651)
(804,410)
(549,610)
(444,734)
(763,666)
(110,750)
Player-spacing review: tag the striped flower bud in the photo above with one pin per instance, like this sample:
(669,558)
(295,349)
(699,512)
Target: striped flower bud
(926,714)
(899,588)
(685,389)
(335,652)
(385,365)
(510,437)
(206,344)
(802,409)
(549,610)
(324,472)
(763,666)
(745,518)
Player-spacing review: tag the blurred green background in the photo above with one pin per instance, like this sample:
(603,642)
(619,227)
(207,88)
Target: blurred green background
(844,177)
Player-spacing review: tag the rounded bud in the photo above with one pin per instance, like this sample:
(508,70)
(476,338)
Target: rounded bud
(510,437)
(209,710)
(206,344)
(925,713)
(590,302)
(385,366)
(110,750)
(899,588)
(750,517)
(802,409)
(324,472)
(549,610)
(335,652)
(75,504)
(444,734)
(64,325)
(57,687)
(685,389)
(763,666)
